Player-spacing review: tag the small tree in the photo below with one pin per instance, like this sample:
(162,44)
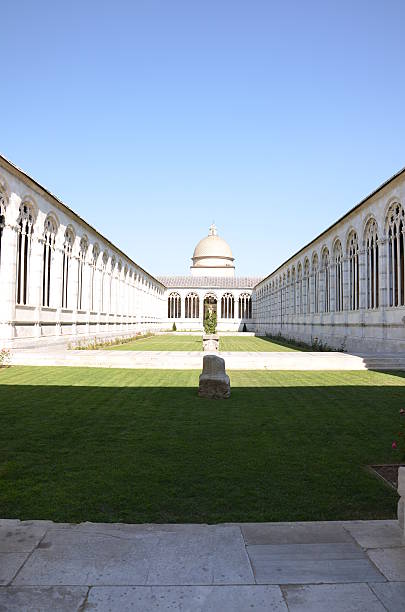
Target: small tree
(210,321)
(174,328)
(244,329)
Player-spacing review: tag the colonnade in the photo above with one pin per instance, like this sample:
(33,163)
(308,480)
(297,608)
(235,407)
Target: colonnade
(58,276)
(347,287)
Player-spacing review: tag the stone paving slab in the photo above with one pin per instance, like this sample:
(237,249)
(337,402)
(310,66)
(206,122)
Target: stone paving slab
(211,555)
(332,598)
(269,569)
(295,533)
(10,563)
(390,561)
(184,599)
(307,551)
(42,599)
(21,537)
(391,594)
(375,534)
(337,566)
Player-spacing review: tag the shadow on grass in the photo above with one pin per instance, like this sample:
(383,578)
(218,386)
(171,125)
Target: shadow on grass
(286,344)
(161,454)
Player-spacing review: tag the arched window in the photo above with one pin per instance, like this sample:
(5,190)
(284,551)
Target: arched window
(371,242)
(395,223)
(227,306)
(338,265)
(326,273)
(192,306)
(49,247)
(174,306)
(245,306)
(307,304)
(96,253)
(103,289)
(2,215)
(66,262)
(84,245)
(112,287)
(299,280)
(293,292)
(354,282)
(118,291)
(315,281)
(25,226)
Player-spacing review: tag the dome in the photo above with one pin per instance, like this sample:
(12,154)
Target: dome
(213,246)
(213,254)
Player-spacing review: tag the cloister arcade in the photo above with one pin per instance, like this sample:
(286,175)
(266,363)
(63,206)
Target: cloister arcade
(58,276)
(232,307)
(347,287)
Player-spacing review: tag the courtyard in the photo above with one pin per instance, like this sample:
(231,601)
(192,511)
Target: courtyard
(120,445)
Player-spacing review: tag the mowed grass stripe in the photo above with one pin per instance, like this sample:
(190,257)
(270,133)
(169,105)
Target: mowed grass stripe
(184,342)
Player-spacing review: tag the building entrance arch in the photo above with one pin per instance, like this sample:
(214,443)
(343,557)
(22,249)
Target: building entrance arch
(210,303)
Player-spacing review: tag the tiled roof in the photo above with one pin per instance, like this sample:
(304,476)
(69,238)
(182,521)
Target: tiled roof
(210,282)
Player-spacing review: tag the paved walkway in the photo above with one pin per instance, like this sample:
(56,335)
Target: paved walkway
(192,360)
(355,566)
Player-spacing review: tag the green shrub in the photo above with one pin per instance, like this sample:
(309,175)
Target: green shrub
(210,322)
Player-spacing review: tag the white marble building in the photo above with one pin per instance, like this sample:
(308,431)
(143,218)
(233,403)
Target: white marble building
(212,284)
(346,288)
(60,278)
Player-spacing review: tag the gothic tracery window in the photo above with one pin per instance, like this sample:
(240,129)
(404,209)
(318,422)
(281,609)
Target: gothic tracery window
(47,259)
(395,223)
(192,306)
(80,270)
(371,242)
(245,305)
(227,306)
(354,282)
(300,290)
(307,288)
(93,272)
(103,288)
(25,227)
(174,306)
(293,292)
(66,264)
(338,267)
(326,277)
(315,282)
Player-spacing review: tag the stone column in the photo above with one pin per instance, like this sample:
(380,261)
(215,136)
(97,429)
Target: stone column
(36,272)
(56,287)
(8,278)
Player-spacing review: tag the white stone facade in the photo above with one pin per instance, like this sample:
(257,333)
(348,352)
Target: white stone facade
(346,288)
(60,277)
(232,298)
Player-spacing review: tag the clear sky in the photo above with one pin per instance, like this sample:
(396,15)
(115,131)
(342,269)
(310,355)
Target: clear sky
(152,118)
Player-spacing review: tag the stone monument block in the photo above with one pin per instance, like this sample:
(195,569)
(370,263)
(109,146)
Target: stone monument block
(210,342)
(214,381)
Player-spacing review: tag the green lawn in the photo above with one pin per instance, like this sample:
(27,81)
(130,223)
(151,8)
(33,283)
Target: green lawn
(252,343)
(164,342)
(82,444)
(184,342)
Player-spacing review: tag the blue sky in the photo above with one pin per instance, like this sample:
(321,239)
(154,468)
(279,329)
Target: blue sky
(152,118)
